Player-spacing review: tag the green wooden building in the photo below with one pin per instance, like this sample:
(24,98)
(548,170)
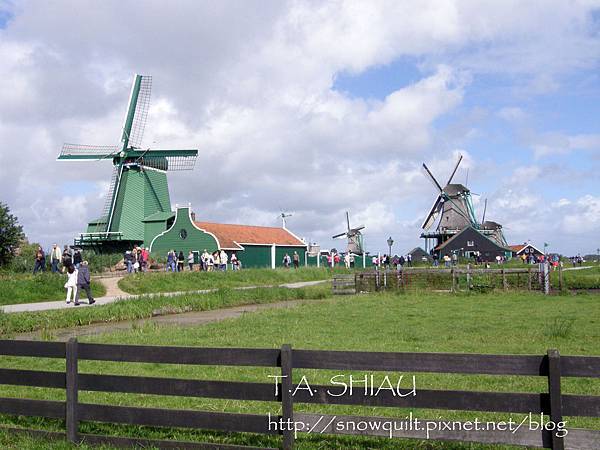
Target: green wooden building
(253,245)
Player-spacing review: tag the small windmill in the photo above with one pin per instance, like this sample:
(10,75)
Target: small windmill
(283,216)
(355,239)
(138,188)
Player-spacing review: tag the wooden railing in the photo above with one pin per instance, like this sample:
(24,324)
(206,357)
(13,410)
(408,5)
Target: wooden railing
(450,279)
(552,403)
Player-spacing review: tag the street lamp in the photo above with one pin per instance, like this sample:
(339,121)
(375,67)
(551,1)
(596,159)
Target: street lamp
(390,242)
(545,247)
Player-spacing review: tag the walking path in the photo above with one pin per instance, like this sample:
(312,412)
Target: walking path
(115,294)
(180,320)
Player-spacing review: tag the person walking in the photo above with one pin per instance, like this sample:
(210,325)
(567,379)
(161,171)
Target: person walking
(128,260)
(190,260)
(40,260)
(210,262)
(71,284)
(55,256)
(144,255)
(77,258)
(67,259)
(180,261)
(286,261)
(235,262)
(204,260)
(409,260)
(223,258)
(351,260)
(347,260)
(401,262)
(83,283)
(296,259)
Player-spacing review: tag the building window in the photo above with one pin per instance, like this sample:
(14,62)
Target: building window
(470,244)
(183,233)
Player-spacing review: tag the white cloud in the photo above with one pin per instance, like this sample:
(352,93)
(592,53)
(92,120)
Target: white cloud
(251,85)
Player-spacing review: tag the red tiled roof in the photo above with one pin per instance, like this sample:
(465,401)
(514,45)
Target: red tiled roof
(517,248)
(230,235)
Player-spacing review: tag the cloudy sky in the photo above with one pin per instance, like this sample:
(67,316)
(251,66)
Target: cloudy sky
(312,107)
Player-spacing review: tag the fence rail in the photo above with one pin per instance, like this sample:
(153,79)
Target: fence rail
(448,279)
(552,403)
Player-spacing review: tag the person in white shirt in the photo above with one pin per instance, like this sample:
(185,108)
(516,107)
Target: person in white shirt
(223,258)
(347,260)
(71,284)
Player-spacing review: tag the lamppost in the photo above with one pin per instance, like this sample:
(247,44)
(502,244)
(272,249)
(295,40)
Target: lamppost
(545,247)
(390,242)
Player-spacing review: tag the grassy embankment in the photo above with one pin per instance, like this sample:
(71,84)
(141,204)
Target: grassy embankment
(188,281)
(512,323)
(27,288)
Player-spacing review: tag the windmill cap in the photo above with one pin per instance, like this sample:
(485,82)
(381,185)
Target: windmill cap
(455,189)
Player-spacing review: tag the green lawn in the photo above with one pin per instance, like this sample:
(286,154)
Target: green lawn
(580,279)
(187,281)
(513,323)
(27,288)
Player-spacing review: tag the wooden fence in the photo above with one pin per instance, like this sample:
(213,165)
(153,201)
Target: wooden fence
(552,403)
(449,279)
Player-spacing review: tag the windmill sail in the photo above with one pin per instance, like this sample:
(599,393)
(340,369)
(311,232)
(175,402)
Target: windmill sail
(82,151)
(137,111)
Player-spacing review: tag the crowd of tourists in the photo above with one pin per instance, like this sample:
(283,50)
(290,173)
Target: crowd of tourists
(206,261)
(59,260)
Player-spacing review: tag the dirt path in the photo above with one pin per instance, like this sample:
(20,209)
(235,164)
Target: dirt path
(180,320)
(112,286)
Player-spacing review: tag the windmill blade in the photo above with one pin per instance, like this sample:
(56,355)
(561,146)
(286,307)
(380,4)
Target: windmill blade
(348,220)
(433,212)
(172,160)
(484,210)
(358,228)
(455,169)
(137,111)
(339,235)
(432,177)
(82,151)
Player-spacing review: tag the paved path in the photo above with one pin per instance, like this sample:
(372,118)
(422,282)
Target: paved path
(188,319)
(116,294)
(578,268)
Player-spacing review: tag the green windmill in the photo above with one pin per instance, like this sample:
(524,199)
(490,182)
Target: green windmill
(137,206)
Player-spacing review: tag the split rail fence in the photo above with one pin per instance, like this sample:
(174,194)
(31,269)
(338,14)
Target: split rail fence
(553,403)
(452,279)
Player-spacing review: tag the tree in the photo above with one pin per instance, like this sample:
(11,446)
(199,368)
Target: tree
(11,234)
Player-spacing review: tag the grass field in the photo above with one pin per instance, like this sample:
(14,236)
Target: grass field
(131,309)
(188,281)
(513,323)
(27,288)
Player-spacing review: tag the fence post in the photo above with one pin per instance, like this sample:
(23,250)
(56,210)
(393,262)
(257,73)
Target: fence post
(555,396)
(287,405)
(453,279)
(504,283)
(560,276)
(529,278)
(71,390)
(546,278)
(468,277)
